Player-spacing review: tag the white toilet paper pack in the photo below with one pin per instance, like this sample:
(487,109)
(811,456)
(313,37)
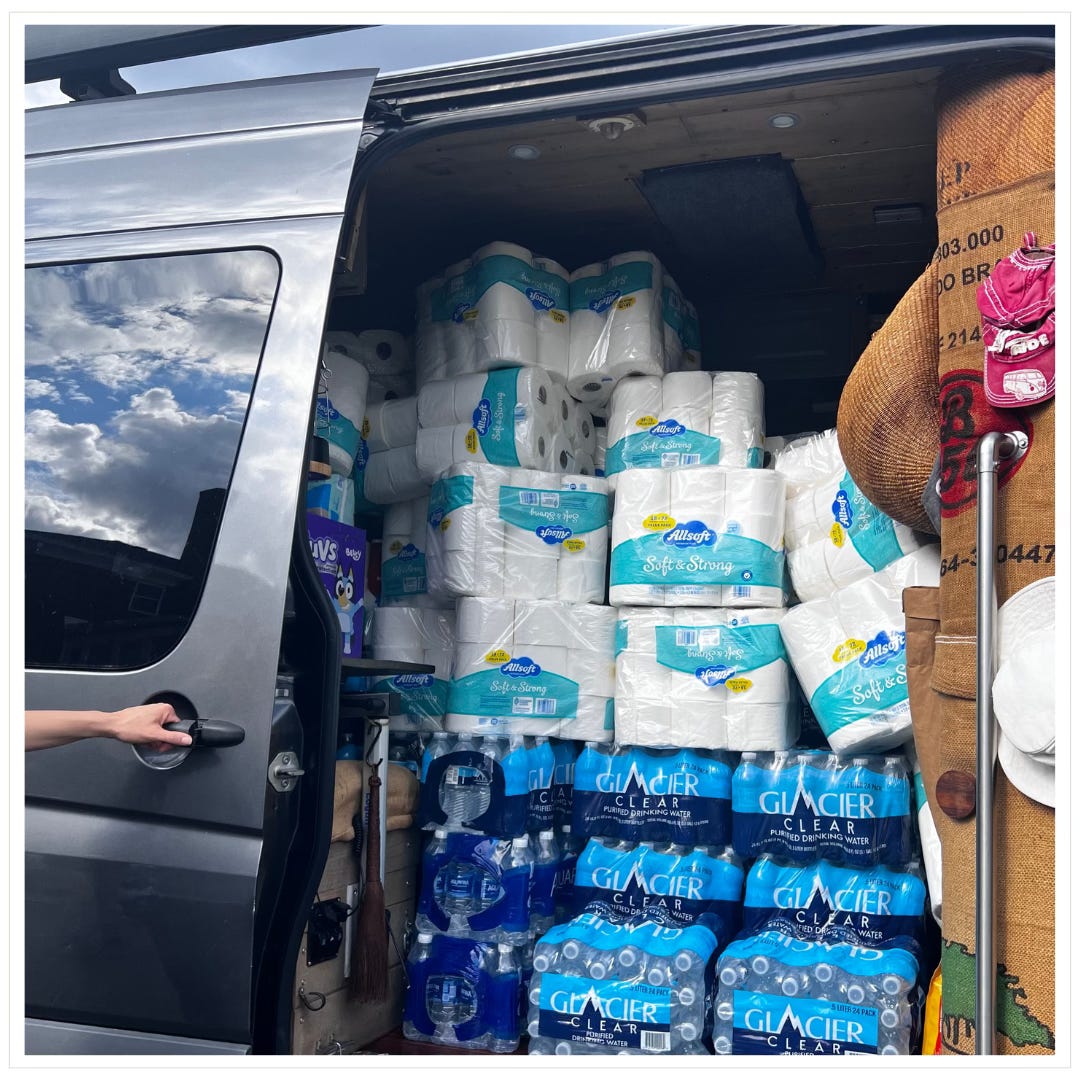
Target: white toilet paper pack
(502,307)
(404,579)
(384,353)
(848,651)
(703,537)
(704,677)
(390,424)
(518,533)
(507,417)
(616,323)
(340,408)
(392,476)
(686,418)
(533,668)
(416,636)
(834,535)
(682,331)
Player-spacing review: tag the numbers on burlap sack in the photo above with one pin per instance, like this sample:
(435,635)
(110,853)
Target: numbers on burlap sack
(1036,553)
(977,238)
(957,339)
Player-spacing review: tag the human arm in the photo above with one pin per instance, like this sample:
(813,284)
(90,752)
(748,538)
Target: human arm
(138,725)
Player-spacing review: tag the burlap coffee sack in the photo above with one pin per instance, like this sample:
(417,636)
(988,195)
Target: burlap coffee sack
(995,156)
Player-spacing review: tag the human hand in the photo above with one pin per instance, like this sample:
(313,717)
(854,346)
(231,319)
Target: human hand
(143,724)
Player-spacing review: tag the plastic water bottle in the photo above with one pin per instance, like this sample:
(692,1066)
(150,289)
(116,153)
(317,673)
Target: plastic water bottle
(545,871)
(506,1031)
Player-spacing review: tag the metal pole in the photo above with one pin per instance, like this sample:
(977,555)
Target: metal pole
(994,448)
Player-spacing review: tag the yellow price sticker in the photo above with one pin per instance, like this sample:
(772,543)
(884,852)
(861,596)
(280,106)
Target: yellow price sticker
(646,421)
(444,524)
(626,302)
(574,544)
(849,650)
(656,522)
(558,316)
(471,314)
(836,534)
(472,441)
(365,428)
(497,656)
(395,547)
(738,686)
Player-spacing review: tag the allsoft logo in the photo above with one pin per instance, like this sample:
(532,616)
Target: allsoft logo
(554,534)
(882,648)
(666,429)
(521,667)
(690,535)
(412,682)
(602,302)
(409,551)
(716,675)
(539,300)
(481,417)
(841,509)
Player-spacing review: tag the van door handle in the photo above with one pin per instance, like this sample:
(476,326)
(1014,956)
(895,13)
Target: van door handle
(209,734)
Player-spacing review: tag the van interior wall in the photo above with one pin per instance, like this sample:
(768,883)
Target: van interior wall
(790,276)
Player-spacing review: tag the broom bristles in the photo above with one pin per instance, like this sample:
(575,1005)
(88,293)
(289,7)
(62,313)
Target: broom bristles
(370,960)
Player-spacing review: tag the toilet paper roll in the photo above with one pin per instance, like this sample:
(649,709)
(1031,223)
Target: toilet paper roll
(762,727)
(439,448)
(634,403)
(810,461)
(429,346)
(687,399)
(738,418)
(594,721)
(586,327)
(553,323)
(339,412)
(636,342)
(384,352)
(441,660)
(447,402)
(392,476)
(480,621)
(560,455)
(390,424)
(581,576)
(580,429)
(593,672)
(504,327)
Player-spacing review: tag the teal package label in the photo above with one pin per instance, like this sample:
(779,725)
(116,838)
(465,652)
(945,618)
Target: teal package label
(920,790)
(609,714)
(598,294)
(335,427)
(665,445)
(872,532)
(495,415)
(755,457)
(872,684)
(674,310)
(545,291)
(554,516)
(405,574)
(691,553)
(362,504)
(423,697)
(622,636)
(447,495)
(517,688)
(611,1014)
(714,654)
(770,1024)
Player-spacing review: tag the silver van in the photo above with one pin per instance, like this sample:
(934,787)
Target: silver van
(185,253)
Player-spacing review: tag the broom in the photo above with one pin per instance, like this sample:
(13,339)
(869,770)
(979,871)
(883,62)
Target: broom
(370,958)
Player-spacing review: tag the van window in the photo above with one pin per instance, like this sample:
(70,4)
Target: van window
(138,375)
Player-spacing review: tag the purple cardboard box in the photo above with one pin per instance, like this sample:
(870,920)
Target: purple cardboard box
(338,551)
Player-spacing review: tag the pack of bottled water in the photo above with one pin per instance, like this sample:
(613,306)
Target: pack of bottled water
(676,796)
(562,781)
(463,993)
(868,905)
(669,885)
(777,994)
(489,785)
(603,988)
(805,805)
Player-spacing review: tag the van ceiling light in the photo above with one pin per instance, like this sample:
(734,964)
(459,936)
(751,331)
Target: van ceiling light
(523,152)
(611,127)
(784,120)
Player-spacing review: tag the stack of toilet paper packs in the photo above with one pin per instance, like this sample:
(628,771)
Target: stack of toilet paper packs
(389,453)
(501,307)
(703,537)
(513,417)
(834,535)
(525,667)
(686,418)
(518,533)
(340,408)
(416,636)
(384,353)
(703,677)
(849,653)
(618,326)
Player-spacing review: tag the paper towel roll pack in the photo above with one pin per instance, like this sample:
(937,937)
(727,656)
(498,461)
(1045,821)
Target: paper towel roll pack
(848,651)
(502,307)
(703,537)
(518,533)
(340,407)
(512,417)
(385,354)
(686,418)
(834,535)
(415,636)
(404,580)
(533,668)
(703,677)
(805,805)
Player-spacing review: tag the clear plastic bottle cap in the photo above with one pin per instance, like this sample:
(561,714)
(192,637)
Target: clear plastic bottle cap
(424,939)
(505,947)
(521,841)
(441,834)
(547,834)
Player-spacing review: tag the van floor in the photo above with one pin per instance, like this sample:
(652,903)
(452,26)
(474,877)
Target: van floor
(395,1043)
